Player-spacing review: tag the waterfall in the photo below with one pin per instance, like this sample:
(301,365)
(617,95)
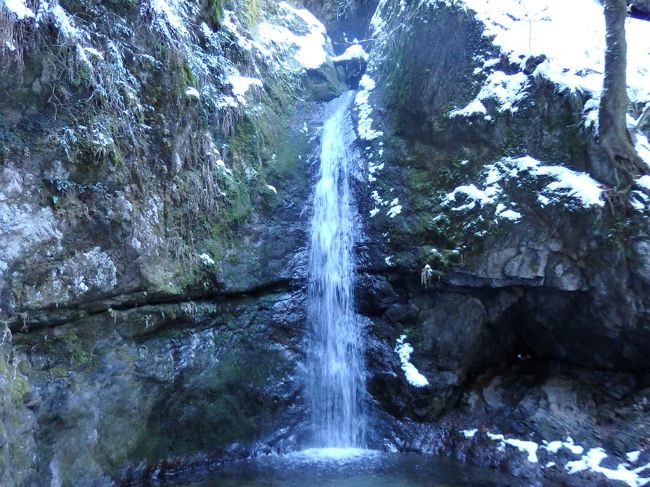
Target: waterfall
(335,356)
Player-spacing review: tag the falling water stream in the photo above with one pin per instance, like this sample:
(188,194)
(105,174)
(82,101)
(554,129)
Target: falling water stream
(335,355)
(336,454)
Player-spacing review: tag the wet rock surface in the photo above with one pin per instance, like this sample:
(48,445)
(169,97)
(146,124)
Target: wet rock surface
(153,209)
(154,282)
(534,328)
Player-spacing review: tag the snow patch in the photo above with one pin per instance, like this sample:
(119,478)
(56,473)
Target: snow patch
(366,132)
(193,93)
(633,456)
(475,107)
(206,259)
(644,182)
(529,447)
(64,23)
(556,446)
(578,186)
(19,9)
(354,52)
(506,89)
(167,19)
(469,433)
(241,84)
(394,211)
(474,195)
(413,376)
(503,212)
(642,147)
(591,462)
(311,50)
(548,28)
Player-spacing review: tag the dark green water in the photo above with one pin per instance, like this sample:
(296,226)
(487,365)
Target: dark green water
(352,468)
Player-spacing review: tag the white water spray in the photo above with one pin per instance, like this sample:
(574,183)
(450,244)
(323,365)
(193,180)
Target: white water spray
(335,356)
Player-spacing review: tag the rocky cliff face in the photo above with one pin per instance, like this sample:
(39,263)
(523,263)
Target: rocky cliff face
(517,277)
(155,161)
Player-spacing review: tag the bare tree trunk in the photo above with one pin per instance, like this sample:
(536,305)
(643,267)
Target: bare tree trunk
(613,134)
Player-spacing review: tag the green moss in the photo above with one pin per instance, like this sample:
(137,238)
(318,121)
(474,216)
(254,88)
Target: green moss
(220,404)
(251,12)
(80,358)
(216,11)
(18,388)
(73,346)
(58,371)
(182,74)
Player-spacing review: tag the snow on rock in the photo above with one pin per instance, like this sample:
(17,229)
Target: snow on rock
(48,12)
(588,462)
(545,30)
(366,85)
(18,8)
(556,446)
(642,146)
(272,189)
(413,376)
(206,259)
(475,107)
(193,93)
(394,211)
(644,182)
(231,24)
(506,89)
(591,462)
(578,185)
(564,183)
(524,29)
(354,52)
(503,212)
(372,169)
(395,208)
(633,456)
(469,433)
(167,17)
(241,84)
(529,447)
(639,201)
(474,196)
(310,49)
(378,199)
(64,23)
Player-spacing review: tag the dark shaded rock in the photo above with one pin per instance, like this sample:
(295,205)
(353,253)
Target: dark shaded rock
(641,8)
(563,273)
(532,328)
(324,83)
(354,69)
(374,294)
